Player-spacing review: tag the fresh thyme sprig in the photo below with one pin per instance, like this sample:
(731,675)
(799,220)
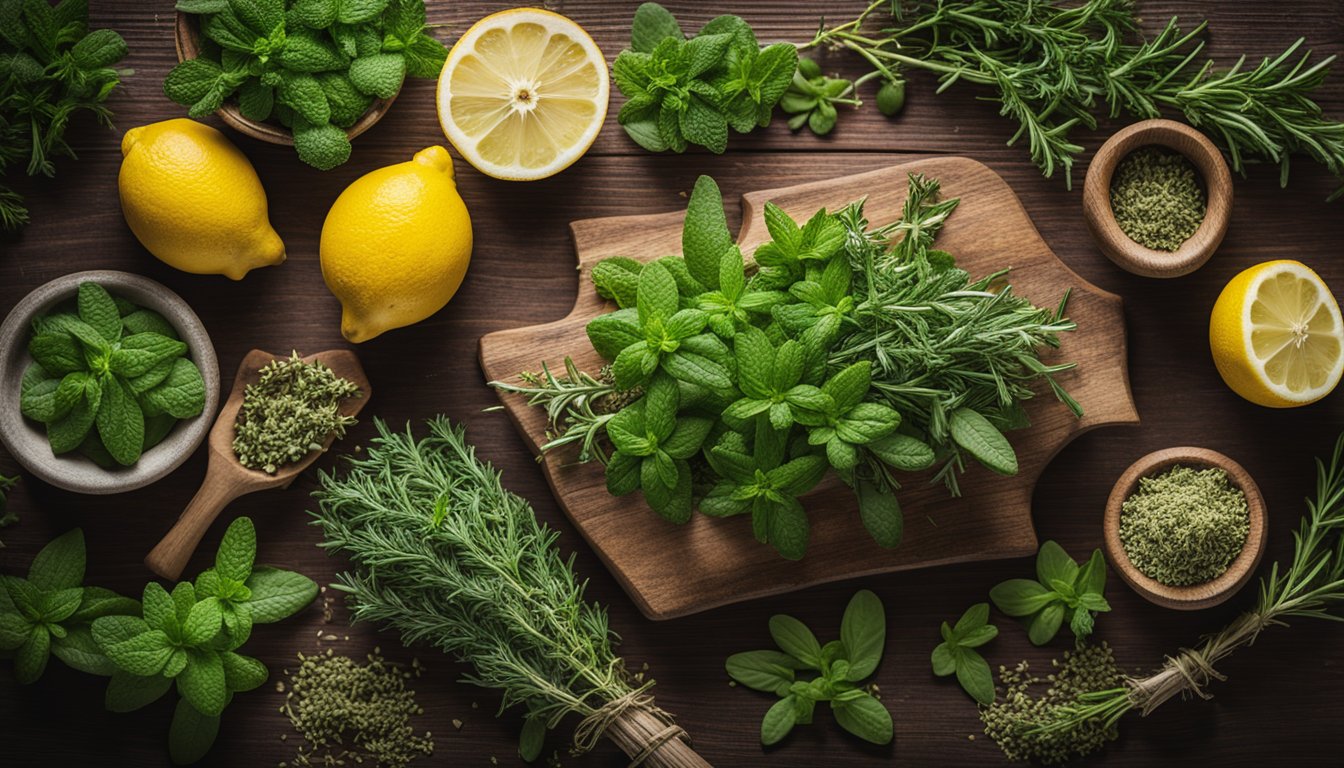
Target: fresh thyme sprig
(444,555)
(1054,68)
(1310,585)
(578,405)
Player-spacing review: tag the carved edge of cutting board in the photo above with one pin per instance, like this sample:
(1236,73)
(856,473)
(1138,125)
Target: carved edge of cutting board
(670,570)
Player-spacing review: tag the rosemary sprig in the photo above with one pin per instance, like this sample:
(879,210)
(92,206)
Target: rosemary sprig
(578,405)
(1310,585)
(444,555)
(938,340)
(1053,68)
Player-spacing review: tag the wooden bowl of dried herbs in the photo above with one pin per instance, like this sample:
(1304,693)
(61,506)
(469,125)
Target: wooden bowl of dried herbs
(1157,198)
(1185,527)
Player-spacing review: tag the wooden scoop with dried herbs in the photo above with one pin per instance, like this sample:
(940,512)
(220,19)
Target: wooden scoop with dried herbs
(845,347)
(289,413)
(443,554)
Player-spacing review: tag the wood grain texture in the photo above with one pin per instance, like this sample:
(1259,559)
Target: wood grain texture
(722,561)
(1194,597)
(1281,704)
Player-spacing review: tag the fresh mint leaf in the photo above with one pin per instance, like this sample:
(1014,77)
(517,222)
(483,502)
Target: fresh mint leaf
(378,75)
(705,236)
(277,594)
(237,550)
(202,623)
(318,14)
(159,611)
(769,671)
(359,11)
(794,638)
(78,650)
(57,352)
(142,654)
(191,734)
(779,720)
(60,564)
(348,105)
(201,683)
(652,24)
(127,692)
(98,602)
(140,352)
(1052,562)
(242,673)
(14,630)
(880,512)
(617,278)
(99,311)
(192,81)
(181,394)
(321,145)
(1021,597)
(311,52)
(202,7)
(302,93)
(864,717)
(30,658)
(903,452)
(121,424)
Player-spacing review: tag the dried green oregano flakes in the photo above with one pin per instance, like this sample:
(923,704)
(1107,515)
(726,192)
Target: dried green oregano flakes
(289,413)
(1185,526)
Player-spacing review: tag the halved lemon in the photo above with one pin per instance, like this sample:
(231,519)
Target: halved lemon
(523,94)
(1276,335)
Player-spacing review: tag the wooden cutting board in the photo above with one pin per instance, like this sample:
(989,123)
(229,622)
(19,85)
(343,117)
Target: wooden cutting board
(673,570)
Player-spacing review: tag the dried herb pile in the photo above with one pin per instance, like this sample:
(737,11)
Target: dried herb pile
(1157,198)
(1185,526)
(350,713)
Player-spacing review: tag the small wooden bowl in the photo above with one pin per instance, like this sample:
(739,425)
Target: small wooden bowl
(1217,179)
(1196,596)
(186,34)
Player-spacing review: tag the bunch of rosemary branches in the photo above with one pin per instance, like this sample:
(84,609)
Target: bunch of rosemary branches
(444,555)
(1309,585)
(1053,67)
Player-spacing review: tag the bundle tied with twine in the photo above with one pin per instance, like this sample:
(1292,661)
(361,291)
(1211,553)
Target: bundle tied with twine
(1310,585)
(444,555)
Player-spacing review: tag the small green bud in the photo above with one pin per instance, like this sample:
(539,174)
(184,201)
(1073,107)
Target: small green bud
(891,97)
(809,68)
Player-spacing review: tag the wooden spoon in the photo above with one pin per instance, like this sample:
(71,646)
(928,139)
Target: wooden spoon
(225,478)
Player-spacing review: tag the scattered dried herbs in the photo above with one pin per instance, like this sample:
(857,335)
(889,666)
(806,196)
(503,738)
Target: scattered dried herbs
(1012,720)
(349,713)
(1184,526)
(1157,198)
(290,412)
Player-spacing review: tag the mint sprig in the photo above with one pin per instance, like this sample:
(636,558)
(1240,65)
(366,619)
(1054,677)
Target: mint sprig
(316,68)
(957,654)
(682,91)
(109,379)
(840,666)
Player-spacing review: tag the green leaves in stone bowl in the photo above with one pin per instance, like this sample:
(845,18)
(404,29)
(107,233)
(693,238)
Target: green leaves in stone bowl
(314,66)
(837,668)
(109,379)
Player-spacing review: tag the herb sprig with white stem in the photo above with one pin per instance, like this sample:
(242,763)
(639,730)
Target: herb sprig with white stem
(443,554)
(1310,585)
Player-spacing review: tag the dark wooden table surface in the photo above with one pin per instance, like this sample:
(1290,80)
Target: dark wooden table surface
(1284,698)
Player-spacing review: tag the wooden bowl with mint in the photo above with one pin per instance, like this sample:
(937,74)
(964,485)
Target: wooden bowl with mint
(1157,198)
(1185,527)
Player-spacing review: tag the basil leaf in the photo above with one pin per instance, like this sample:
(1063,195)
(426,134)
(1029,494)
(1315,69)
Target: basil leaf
(121,424)
(1052,562)
(974,618)
(863,632)
(864,717)
(1044,625)
(983,440)
(769,671)
(1021,597)
(779,720)
(944,659)
(978,636)
(794,638)
(277,594)
(1092,577)
(975,676)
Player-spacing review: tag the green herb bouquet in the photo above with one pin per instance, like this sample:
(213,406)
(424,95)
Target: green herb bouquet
(736,386)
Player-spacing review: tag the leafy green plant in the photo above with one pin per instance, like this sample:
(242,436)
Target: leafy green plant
(1054,68)
(683,91)
(840,666)
(957,654)
(50,612)
(189,637)
(109,379)
(1062,593)
(735,387)
(315,66)
(52,67)
(812,97)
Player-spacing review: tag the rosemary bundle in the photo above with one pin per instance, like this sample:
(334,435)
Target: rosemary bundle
(1053,67)
(444,555)
(1307,586)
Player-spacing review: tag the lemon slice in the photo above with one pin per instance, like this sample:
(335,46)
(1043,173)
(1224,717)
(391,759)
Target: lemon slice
(523,94)
(1276,335)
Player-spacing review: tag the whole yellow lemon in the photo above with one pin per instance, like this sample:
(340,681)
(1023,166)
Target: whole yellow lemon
(396,244)
(194,200)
